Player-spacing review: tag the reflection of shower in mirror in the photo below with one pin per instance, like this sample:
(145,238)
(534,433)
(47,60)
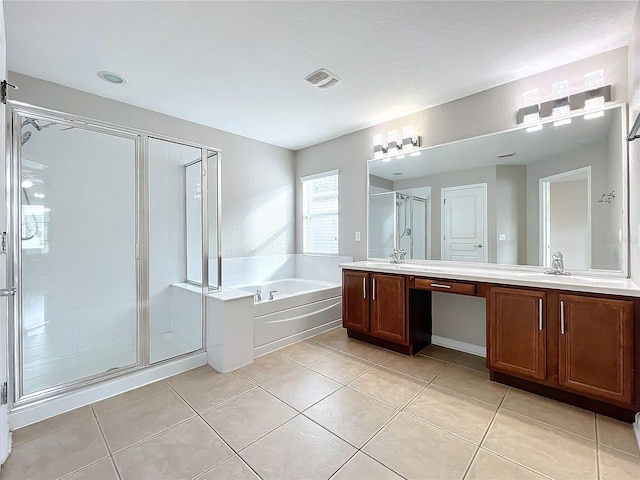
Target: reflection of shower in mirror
(400,221)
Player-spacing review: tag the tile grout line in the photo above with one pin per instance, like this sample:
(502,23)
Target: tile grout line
(104,439)
(486,432)
(595,420)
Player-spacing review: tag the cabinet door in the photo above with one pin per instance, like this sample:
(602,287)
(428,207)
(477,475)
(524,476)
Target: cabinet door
(517,332)
(596,346)
(387,307)
(355,300)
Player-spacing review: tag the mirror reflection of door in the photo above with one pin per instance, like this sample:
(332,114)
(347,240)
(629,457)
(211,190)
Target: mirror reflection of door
(566,218)
(464,223)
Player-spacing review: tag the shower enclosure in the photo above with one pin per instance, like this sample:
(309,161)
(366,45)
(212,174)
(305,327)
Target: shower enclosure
(399,221)
(105,226)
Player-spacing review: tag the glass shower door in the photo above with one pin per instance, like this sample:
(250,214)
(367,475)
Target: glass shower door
(76,252)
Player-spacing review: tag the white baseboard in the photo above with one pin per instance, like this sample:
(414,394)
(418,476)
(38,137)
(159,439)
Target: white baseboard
(458,345)
(28,414)
(283,342)
(636,428)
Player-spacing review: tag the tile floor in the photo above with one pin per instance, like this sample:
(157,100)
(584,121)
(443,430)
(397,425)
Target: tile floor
(329,407)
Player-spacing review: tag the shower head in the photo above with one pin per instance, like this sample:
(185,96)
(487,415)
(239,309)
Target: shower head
(25,138)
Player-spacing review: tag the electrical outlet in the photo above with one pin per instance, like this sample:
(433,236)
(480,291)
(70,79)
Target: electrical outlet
(357,236)
(502,236)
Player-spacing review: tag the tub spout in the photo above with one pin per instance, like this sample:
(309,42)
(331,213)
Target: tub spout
(271,292)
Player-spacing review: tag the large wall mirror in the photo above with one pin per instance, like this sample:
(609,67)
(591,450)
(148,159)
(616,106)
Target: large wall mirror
(512,198)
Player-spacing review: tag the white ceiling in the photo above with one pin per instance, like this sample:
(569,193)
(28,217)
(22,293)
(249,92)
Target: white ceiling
(239,66)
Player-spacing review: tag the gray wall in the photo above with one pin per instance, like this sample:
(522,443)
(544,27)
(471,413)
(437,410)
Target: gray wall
(486,112)
(511,214)
(258,183)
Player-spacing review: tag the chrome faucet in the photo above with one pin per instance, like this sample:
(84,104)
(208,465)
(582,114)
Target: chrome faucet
(557,265)
(258,296)
(271,292)
(397,255)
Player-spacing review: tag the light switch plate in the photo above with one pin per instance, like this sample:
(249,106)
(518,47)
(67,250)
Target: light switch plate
(357,236)
(502,236)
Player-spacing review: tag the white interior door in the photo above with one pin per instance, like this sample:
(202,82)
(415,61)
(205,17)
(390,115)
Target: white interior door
(464,223)
(5,439)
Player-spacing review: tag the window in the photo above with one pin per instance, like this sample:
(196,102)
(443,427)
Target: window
(320,213)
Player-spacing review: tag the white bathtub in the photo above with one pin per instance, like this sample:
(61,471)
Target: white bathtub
(299,309)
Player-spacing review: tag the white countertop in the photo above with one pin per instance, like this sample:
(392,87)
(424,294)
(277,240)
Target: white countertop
(516,276)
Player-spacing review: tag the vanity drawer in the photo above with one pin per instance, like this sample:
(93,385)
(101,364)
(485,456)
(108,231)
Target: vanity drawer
(442,286)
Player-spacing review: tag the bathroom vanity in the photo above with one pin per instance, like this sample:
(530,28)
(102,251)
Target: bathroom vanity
(566,337)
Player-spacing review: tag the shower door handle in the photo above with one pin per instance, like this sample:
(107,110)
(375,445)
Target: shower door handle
(7,292)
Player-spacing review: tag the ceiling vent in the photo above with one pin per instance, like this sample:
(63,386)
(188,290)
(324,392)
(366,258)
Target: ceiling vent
(322,79)
(506,155)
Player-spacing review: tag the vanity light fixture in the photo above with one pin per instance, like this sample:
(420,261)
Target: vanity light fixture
(392,143)
(409,140)
(530,113)
(395,147)
(378,149)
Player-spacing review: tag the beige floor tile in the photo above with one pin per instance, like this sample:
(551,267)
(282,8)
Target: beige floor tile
(231,469)
(248,417)
(130,397)
(351,415)
(340,367)
(548,450)
(616,465)
(365,351)
(299,449)
(304,352)
(266,368)
(456,413)
(182,452)
(471,383)
(50,425)
(363,467)
(471,361)
(560,415)
(489,466)
(441,353)
(424,368)
(57,454)
(189,375)
(388,386)
(302,388)
(335,338)
(136,421)
(414,449)
(213,389)
(102,470)
(618,435)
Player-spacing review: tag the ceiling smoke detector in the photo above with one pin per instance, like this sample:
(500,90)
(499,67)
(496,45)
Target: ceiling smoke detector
(322,79)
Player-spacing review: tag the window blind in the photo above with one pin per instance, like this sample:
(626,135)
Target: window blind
(320,214)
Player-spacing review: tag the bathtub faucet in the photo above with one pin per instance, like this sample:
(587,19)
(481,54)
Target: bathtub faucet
(397,255)
(258,296)
(271,292)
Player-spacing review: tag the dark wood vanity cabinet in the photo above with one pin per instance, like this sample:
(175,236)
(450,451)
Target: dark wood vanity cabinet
(595,347)
(376,309)
(387,319)
(516,332)
(355,301)
(580,344)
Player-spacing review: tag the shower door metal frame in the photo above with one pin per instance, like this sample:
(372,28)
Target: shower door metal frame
(13,155)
